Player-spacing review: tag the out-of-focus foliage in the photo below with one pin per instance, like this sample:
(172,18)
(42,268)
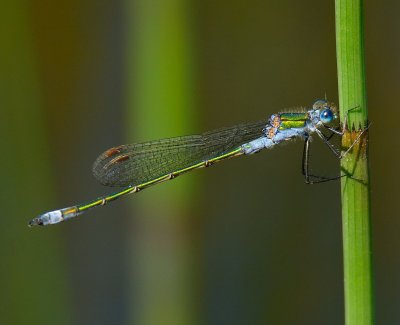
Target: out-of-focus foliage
(254,244)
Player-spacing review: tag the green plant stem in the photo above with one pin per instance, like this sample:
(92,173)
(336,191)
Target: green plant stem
(355,191)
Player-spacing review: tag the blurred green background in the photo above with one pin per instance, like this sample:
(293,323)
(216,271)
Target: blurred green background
(244,242)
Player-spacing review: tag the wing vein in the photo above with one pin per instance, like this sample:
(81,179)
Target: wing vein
(137,163)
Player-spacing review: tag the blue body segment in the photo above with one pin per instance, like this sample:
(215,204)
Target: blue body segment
(257,145)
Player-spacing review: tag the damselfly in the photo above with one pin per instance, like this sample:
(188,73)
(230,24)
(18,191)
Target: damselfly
(138,166)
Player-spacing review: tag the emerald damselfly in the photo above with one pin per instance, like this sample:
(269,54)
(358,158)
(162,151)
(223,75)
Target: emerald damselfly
(141,165)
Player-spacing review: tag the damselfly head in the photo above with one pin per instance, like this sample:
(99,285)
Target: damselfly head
(327,111)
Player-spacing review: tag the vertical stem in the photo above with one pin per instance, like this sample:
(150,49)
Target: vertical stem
(355,191)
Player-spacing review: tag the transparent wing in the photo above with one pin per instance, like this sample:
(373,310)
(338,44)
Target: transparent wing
(141,162)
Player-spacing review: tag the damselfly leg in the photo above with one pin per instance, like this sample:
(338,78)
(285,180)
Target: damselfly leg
(305,167)
(312,179)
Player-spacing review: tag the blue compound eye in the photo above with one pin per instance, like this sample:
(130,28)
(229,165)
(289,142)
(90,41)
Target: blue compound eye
(326,116)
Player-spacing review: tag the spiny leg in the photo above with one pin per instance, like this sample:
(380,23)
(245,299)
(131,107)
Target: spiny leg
(341,133)
(334,131)
(325,139)
(333,149)
(355,141)
(337,131)
(330,146)
(306,166)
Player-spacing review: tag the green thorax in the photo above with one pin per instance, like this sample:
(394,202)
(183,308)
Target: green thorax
(292,120)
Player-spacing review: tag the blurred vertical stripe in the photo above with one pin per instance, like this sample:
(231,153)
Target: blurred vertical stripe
(33,291)
(161,103)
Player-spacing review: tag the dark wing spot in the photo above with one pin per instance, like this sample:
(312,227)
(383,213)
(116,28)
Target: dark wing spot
(119,159)
(113,151)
